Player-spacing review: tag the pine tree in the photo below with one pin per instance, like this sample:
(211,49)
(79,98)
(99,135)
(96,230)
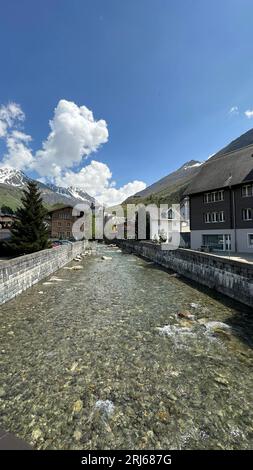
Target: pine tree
(29,232)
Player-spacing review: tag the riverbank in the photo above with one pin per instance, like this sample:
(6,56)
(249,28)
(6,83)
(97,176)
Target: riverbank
(18,274)
(229,276)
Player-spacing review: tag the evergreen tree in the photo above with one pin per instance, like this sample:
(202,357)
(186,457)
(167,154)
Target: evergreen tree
(6,210)
(29,231)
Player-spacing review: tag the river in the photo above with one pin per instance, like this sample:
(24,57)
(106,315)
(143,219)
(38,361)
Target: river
(98,358)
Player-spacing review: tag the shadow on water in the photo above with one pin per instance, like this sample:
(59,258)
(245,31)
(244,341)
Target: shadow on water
(241,322)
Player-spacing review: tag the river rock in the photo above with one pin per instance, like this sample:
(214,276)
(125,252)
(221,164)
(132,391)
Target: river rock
(36,434)
(106,258)
(186,314)
(78,406)
(193,305)
(77,435)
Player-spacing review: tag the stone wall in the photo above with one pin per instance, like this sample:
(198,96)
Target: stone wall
(230,277)
(17,274)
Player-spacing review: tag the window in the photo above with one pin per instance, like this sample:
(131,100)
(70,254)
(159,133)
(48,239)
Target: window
(214,217)
(214,196)
(221,216)
(207,218)
(250,240)
(247,190)
(220,195)
(247,214)
(68,234)
(59,223)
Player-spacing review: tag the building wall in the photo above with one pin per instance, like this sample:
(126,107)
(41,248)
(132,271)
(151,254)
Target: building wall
(20,273)
(230,277)
(241,236)
(240,204)
(62,222)
(196,237)
(198,208)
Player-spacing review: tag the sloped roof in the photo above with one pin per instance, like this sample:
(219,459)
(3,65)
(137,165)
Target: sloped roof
(224,170)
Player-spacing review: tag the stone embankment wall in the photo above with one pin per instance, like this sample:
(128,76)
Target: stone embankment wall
(230,277)
(17,274)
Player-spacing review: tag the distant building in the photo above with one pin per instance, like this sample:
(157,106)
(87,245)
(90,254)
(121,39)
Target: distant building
(6,221)
(61,222)
(221,203)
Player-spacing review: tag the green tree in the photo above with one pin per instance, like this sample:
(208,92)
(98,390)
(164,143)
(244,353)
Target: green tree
(29,231)
(6,210)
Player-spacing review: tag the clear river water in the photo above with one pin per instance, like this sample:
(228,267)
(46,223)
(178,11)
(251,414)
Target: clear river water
(121,354)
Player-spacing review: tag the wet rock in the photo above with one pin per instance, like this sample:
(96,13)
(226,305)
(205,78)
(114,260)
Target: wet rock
(36,434)
(77,435)
(221,380)
(106,406)
(186,314)
(193,305)
(214,326)
(77,407)
(106,258)
(223,334)
(203,321)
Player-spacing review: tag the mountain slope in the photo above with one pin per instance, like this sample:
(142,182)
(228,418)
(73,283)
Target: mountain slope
(169,189)
(243,141)
(12,182)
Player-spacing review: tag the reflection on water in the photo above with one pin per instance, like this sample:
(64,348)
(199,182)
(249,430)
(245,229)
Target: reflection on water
(98,358)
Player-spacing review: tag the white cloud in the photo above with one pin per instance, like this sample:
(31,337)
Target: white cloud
(249,113)
(3,129)
(95,178)
(234,110)
(19,155)
(74,135)
(10,113)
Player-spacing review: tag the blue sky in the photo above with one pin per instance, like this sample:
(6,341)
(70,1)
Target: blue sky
(163,74)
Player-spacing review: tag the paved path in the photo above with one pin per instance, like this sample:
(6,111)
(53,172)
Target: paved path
(10,442)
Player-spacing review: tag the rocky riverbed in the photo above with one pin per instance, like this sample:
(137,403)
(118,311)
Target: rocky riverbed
(122,354)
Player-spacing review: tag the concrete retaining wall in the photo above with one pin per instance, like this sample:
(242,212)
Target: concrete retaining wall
(18,274)
(232,278)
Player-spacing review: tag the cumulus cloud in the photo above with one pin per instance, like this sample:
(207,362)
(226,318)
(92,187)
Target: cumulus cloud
(96,179)
(74,135)
(19,154)
(249,113)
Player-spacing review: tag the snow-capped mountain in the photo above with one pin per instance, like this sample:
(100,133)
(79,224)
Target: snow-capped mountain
(13,177)
(72,193)
(13,181)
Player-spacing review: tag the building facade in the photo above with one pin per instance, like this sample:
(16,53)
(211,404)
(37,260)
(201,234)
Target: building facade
(221,203)
(61,222)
